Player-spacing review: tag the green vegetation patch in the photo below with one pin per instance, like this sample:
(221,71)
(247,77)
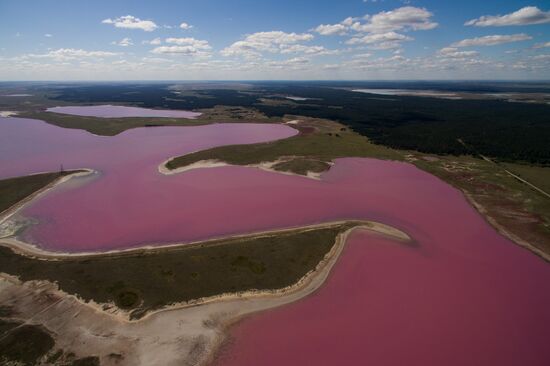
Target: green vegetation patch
(312,151)
(108,126)
(13,190)
(536,175)
(149,279)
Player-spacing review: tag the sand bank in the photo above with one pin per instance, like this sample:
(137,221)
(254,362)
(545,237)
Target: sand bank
(214,163)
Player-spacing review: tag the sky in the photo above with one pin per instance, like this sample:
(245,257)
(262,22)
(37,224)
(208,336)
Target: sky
(274,40)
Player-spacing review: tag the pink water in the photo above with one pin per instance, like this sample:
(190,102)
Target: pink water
(118,111)
(463,295)
(455,300)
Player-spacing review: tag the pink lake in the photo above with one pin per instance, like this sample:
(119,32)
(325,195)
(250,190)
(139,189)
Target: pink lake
(454,300)
(119,111)
(463,295)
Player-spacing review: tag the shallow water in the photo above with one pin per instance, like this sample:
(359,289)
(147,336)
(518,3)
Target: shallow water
(462,295)
(118,111)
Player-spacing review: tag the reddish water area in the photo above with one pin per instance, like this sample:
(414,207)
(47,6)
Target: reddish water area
(461,295)
(457,298)
(128,196)
(118,111)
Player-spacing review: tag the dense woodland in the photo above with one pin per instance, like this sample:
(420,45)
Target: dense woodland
(499,129)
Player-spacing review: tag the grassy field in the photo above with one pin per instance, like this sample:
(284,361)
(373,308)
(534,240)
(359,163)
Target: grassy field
(107,126)
(114,126)
(149,279)
(319,141)
(13,190)
(539,176)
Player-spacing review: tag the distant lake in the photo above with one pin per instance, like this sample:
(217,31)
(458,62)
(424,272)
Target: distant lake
(118,111)
(420,93)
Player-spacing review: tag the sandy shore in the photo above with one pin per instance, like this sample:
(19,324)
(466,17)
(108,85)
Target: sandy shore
(29,250)
(182,334)
(214,163)
(6,114)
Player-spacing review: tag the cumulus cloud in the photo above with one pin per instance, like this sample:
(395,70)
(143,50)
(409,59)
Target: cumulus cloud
(541,57)
(542,45)
(48,35)
(154,42)
(331,29)
(185,26)
(308,50)
(131,22)
(200,44)
(362,55)
(492,40)
(524,16)
(69,54)
(380,31)
(186,46)
(293,63)
(404,18)
(389,37)
(273,42)
(401,19)
(453,52)
(124,42)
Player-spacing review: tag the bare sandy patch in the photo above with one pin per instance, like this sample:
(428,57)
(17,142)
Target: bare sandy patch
(6,114)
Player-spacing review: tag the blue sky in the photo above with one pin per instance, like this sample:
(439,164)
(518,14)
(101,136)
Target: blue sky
(284,39)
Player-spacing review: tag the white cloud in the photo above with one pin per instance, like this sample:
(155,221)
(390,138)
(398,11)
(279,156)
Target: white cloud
(331,29)
(524,16)
(131,22)
(124,42)
(154,42)
(197,43)
(155,60)
(69,54)
(186,50)
(380,31)
(308,50)
(541,57)
(362,56)
(348,21)
(185,46)
(48,35)
(401,19)
(389,37)
(294,63)
(453,52)
(404,18)
(542,45)
(492,40)
(255,43)
(185,26)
